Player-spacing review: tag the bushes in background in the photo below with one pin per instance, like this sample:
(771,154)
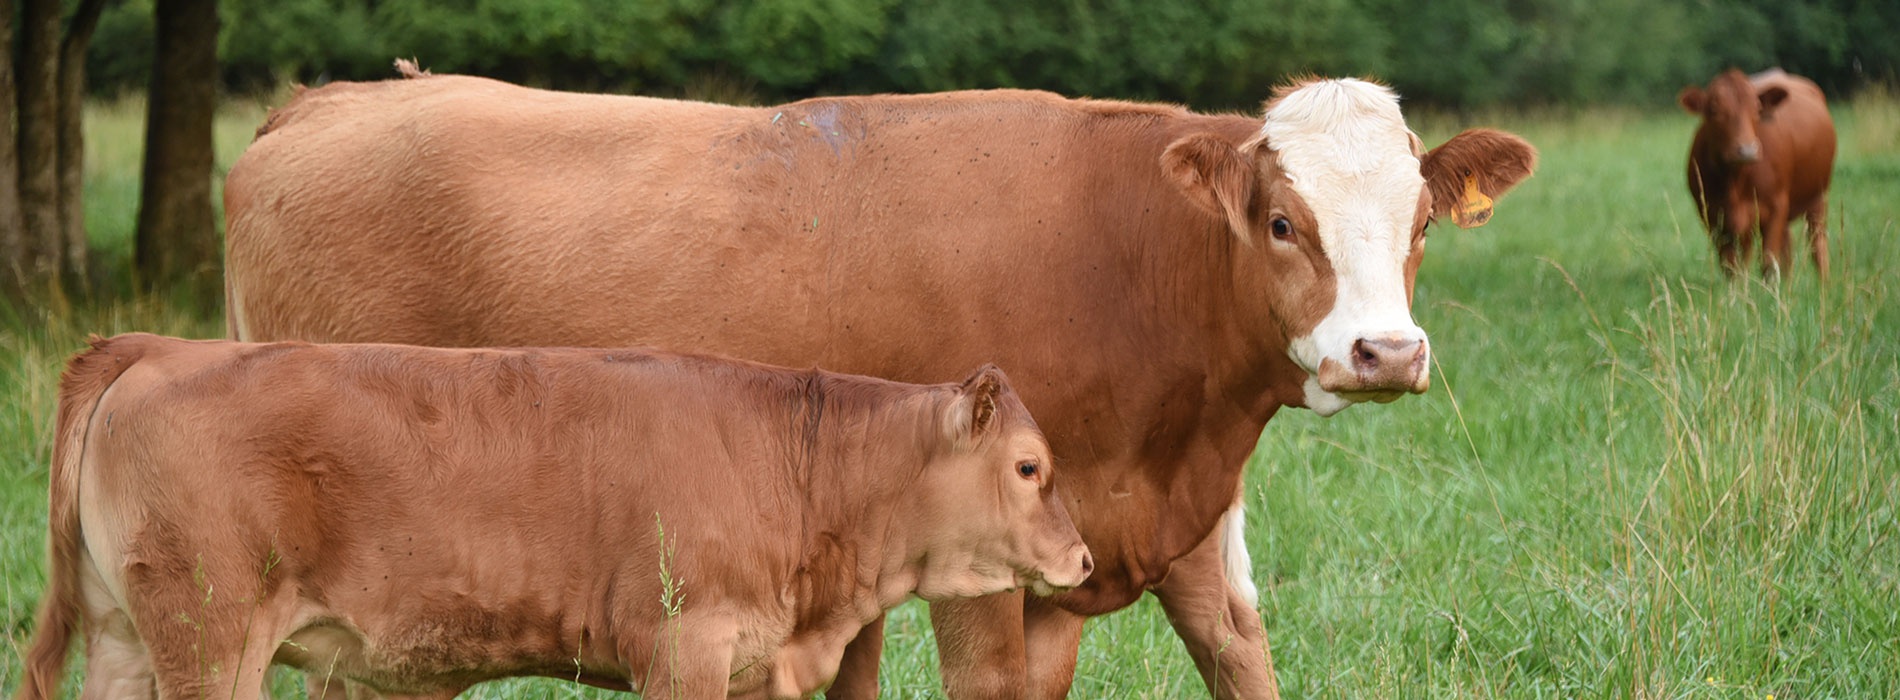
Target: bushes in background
(1209,53)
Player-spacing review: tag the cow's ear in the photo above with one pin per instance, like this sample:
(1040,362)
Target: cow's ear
(1772,98)
(1693,99)
(973,414)
(1214,175)
(1473,168)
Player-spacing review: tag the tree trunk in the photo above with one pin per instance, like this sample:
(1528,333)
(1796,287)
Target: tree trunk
(12,228)
(177,245)
(39,140)
(72,139)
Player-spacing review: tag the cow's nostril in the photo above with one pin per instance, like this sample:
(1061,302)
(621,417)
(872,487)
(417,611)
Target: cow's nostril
(1363,355)
(1088,564)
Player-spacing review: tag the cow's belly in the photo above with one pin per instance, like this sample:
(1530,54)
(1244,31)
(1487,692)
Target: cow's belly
(419,656)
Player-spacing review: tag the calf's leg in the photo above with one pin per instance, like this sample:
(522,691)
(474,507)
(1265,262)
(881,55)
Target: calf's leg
(117,664)
(692,659)
(980,646)
(1221,631)
(317,687)
(857,673)
(229,658)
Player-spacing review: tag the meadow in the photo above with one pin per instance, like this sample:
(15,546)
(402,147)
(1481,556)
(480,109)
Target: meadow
(1631,478)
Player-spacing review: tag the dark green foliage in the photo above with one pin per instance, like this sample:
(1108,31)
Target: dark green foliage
(1207,53)
(121,54)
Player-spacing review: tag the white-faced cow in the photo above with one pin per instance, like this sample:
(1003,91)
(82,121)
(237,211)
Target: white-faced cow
(417,520)
(1170,280)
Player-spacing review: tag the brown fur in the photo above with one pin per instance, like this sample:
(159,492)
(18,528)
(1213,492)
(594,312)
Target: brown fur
(419,520)
(1741,200)
(899,236)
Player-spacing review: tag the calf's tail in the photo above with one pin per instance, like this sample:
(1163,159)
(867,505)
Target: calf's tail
(85,380)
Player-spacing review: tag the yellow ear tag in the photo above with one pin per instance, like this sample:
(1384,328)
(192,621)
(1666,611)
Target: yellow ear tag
(1473,209)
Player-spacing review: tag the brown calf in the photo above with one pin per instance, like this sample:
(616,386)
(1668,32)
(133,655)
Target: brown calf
(419,520)
(1764,153)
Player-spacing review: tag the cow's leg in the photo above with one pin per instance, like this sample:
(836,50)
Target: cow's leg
(1742,222)
(857,672)
(1776,248)
(1052,637)
(1220,629)
(1728,241)
(1728,252)
(1817,234)
(980,646)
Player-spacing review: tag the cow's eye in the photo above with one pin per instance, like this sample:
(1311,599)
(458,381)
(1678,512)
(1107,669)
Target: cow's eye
(1028,469)
(1282,229)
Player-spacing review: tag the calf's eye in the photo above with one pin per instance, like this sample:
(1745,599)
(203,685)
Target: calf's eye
(1028,469)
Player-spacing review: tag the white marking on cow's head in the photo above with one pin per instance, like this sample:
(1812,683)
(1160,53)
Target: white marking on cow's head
(1345,148)
(1331,197)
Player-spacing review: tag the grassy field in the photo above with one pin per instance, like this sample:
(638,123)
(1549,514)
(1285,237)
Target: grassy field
(1631,479)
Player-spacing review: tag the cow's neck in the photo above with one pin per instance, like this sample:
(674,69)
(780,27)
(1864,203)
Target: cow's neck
(1190,417)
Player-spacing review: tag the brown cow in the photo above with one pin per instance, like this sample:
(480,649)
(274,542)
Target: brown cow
(1764,152)
(1171,279)
(419,520)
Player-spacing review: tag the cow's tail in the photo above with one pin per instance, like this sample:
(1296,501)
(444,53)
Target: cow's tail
(86,379)
(408,68)
(1233,550)
(233,309)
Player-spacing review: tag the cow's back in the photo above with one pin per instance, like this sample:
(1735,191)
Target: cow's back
(398,189)
(461,211)
(1802,133)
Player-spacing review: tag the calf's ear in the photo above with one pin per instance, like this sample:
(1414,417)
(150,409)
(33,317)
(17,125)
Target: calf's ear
(974,412)
(1693,99)
(1214,175)
(1469,171)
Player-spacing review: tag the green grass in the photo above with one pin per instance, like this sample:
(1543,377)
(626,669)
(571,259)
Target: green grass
(1631,479)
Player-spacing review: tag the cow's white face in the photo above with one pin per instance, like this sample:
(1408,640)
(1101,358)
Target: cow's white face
(1344,148)
(1331,197)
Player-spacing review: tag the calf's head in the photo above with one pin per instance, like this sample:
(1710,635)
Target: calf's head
(1732,111)
(1330,200)
(986,511)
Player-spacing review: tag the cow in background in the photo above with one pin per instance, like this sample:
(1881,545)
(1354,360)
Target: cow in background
(1764,152)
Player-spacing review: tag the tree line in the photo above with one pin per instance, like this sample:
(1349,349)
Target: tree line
(1212,54)
(43,86)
